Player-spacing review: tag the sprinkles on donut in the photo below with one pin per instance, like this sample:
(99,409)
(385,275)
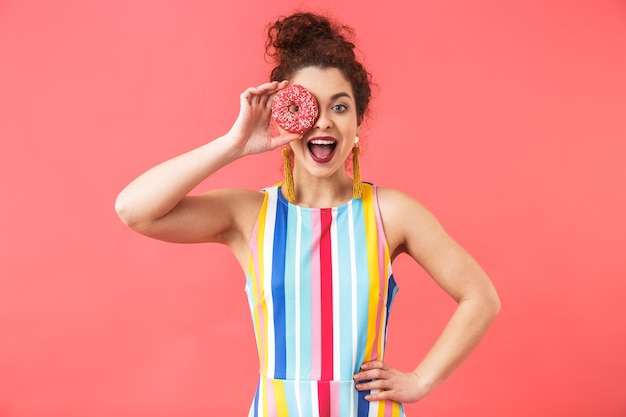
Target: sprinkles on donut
(295,109)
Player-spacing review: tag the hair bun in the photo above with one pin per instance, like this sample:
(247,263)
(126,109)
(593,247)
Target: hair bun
(292,34)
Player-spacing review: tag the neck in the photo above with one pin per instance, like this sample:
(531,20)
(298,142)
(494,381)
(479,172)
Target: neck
(323,192)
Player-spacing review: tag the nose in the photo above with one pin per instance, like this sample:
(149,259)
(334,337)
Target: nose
(323,120)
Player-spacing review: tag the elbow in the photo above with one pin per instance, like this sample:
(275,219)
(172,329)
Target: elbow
(133,215)
(492,303)
(124,212)
(486,303)
(485,300)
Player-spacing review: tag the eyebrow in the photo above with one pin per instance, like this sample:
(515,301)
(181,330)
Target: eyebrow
(338,95)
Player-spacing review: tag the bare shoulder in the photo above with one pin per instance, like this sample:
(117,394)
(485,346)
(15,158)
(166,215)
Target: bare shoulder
(406,220)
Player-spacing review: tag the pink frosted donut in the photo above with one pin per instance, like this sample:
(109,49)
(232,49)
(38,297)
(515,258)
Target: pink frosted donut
(294,109)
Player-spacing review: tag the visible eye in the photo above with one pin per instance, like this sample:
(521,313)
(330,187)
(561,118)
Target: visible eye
(339,108)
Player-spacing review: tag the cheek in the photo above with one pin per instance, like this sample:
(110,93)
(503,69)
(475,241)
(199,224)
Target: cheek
(351,133)
(297,146)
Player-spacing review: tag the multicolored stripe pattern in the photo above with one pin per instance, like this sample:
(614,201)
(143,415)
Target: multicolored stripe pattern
(320,288)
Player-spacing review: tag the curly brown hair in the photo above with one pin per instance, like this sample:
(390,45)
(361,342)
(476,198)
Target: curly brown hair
(307,39)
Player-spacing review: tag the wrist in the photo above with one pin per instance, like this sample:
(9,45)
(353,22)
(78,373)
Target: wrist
(426,382)
(228,147)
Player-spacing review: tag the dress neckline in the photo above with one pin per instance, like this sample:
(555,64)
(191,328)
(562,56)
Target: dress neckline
(283,200)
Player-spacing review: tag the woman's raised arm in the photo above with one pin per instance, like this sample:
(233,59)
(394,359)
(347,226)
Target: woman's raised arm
(158,204)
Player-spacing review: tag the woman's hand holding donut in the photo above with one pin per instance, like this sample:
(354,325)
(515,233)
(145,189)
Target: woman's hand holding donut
(389,383)
(250,133)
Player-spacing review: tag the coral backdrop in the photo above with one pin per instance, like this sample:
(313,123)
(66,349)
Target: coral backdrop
(506,119)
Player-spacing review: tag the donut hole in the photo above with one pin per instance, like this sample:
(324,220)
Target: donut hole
(294,108)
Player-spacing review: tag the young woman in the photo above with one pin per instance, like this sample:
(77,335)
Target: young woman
(317,249)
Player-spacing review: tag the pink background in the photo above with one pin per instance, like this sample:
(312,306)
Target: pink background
(506,119)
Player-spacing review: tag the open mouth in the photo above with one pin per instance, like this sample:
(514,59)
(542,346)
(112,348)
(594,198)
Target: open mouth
(322,150)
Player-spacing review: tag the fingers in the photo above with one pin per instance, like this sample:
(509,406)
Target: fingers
(264,89)
(253,125)
(379,384)
(373,379)
(284,139)
(381,380)
(272,85)
(374,375)
(371,370)
(386,383)
(261,96)
(379,389)
(373,365)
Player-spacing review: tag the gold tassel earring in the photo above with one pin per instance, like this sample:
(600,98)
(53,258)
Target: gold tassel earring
(357,186)
(288,172)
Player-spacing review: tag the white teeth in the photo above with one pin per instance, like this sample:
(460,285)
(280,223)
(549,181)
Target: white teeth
(322,142)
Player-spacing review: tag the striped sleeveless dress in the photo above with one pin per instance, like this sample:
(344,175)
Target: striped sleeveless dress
(320,288)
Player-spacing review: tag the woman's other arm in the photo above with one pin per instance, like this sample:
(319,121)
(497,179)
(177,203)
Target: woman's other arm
(424,239)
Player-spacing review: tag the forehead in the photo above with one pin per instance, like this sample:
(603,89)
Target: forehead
(323,83)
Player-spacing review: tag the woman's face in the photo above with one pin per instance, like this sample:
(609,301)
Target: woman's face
(323,149)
